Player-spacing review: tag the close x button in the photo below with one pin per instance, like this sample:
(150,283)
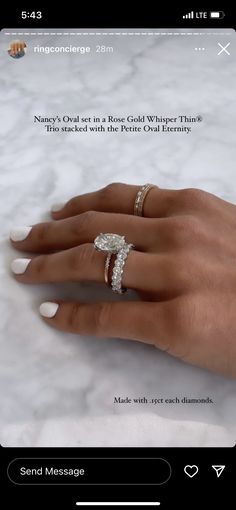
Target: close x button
(89,471)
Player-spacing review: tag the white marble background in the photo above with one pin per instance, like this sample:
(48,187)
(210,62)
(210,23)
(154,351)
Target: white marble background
(57,389)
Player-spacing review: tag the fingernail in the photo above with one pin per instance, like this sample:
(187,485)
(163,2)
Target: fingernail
(19,266)
(57,207)
(48,309)
(20,233)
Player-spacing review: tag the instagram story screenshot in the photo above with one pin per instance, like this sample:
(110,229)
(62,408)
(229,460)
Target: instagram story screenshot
(117,258)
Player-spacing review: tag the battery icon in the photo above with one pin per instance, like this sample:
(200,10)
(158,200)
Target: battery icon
(217,14)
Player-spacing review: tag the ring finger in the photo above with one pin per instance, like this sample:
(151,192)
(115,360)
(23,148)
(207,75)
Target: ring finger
(142,271)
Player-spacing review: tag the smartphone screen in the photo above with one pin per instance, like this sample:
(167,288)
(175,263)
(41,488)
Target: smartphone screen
(118,255)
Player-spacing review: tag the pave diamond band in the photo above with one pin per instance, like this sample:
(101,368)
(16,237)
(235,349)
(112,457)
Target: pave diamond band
(116,281)
(140,197)
(114,244)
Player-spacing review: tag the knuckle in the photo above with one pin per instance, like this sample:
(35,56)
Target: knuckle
(184,229)
(108,193)
(178,272)
(88,217)
(73,317)
(182,324)
(193,197)
(43,233)
(83,223)
(101,318)
(95,323)
(80,257)
(72,203)
(177,317)
(40,264)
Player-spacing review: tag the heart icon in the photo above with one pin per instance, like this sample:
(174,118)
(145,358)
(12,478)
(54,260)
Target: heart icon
(191,470)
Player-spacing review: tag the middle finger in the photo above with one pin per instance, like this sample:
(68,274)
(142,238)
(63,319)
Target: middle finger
(81,229)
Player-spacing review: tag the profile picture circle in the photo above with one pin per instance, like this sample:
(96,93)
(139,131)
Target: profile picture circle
(17,49)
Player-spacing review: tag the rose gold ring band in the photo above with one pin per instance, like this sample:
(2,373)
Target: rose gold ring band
(140,197)
(138,211)
(106,269)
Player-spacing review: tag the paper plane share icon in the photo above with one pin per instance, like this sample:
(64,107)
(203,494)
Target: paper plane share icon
(218,469)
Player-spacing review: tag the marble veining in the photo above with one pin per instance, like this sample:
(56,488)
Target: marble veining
(58,389)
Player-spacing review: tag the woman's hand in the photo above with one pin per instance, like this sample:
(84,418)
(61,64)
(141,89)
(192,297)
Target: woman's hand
(183,267)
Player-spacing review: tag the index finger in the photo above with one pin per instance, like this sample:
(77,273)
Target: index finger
(118,198)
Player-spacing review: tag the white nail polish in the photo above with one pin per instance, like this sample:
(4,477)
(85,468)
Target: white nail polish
(19,266)
(58,206)
(48,309)
(20,233)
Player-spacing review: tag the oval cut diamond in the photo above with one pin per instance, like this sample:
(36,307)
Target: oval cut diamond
(109,242)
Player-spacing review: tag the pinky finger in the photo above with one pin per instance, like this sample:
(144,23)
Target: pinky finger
(143,321)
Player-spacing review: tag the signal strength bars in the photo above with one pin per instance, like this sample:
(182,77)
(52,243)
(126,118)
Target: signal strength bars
(190,15)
